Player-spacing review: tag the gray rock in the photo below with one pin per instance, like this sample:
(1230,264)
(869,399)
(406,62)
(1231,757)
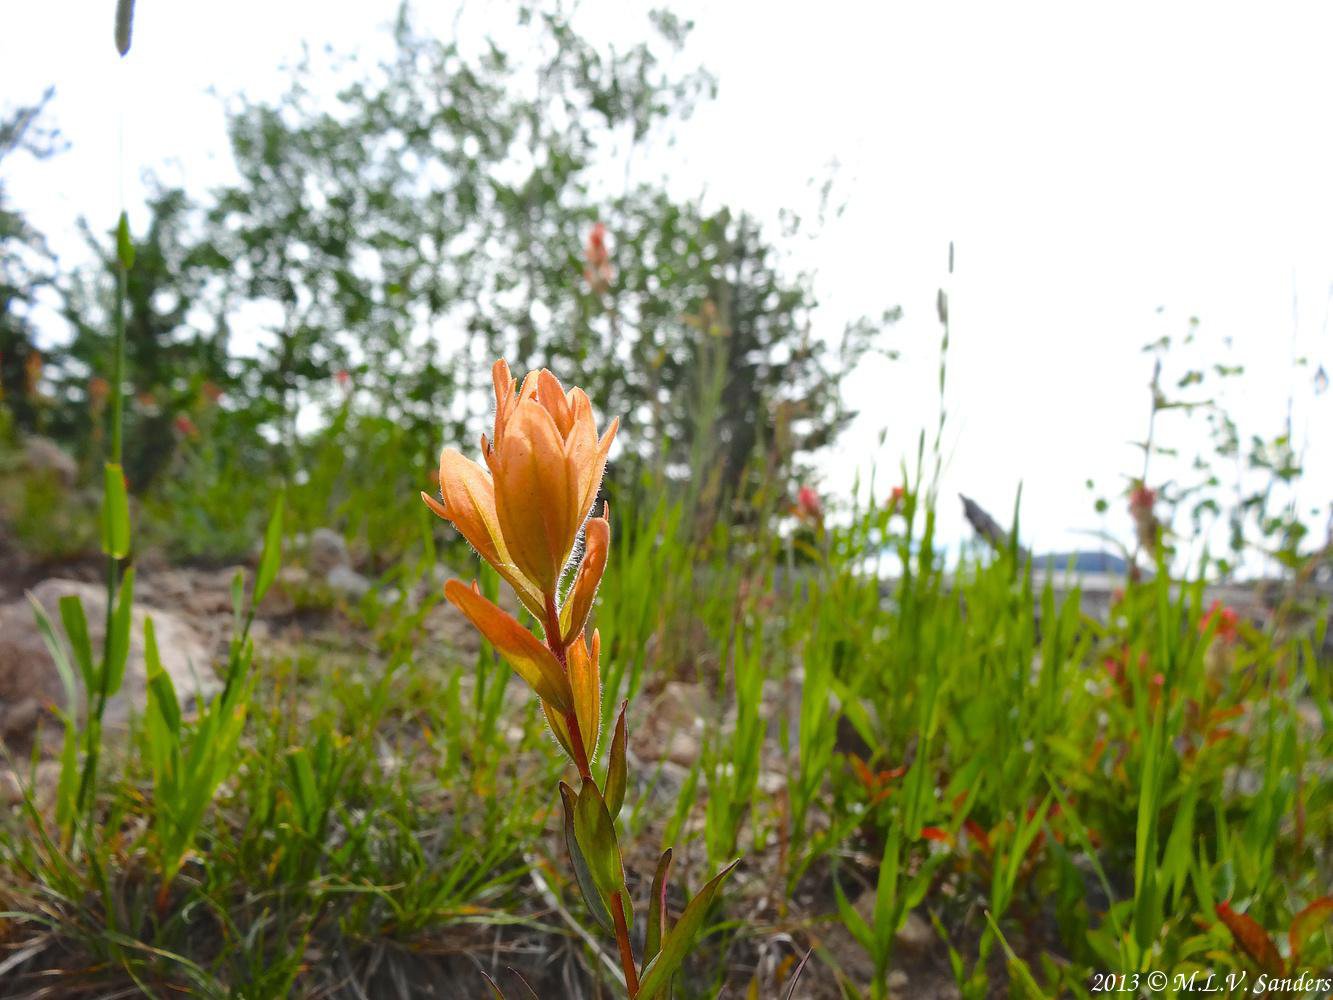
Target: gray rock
(42,455)
(347,582)
(30,682)
(916,936)
(326,550)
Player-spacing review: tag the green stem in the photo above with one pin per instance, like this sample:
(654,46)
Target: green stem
(97,707)
(118,360)
(558,648)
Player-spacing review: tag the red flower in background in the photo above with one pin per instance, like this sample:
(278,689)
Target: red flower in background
(185,426)
(597,271)
(1142,500)
(1228,622)
(808,505)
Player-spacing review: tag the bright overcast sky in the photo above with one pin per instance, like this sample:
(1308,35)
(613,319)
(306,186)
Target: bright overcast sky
(1105,174)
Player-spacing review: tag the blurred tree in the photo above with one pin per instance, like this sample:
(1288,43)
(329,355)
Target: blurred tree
(381,246)
(434,218)
(176,357)
(26,266)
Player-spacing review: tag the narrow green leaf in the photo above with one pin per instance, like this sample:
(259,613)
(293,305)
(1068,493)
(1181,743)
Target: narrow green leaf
(67,788)
(272,554)
(57,650)
(115,512)
(855,923)
(657,974)
(124,244)
(118,642)
(1176,858)
(582,873)
(1018,969)
(161,691)
(237,601)
(616,770)
(657,910)
(76,630)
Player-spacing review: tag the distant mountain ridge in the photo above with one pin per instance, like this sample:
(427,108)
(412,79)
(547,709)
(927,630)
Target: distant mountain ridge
(1082,562)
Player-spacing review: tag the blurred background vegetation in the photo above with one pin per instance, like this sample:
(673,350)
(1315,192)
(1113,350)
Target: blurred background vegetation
(381,248)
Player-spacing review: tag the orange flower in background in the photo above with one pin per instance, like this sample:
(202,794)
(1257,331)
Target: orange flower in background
(99,390)
(185,426)
(597,271)
(523,513)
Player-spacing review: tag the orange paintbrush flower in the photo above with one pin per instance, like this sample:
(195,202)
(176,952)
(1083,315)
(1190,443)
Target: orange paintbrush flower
(523,513)
(545,465)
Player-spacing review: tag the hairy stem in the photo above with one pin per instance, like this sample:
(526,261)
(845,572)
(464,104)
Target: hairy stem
(557,647)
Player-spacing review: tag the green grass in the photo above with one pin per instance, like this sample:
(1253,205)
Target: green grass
(365,810)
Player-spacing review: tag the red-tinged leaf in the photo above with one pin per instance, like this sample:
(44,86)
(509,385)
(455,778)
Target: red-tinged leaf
(862,772)
(1223,714)
(678,941)
(1252,938)
(1306,923)
(975,831)
(795,976)
(616,768)
(582,873)
(936,834)
(657,910)
(596,835)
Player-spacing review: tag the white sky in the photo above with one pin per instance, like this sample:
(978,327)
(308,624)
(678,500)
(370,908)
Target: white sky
(1091,166)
